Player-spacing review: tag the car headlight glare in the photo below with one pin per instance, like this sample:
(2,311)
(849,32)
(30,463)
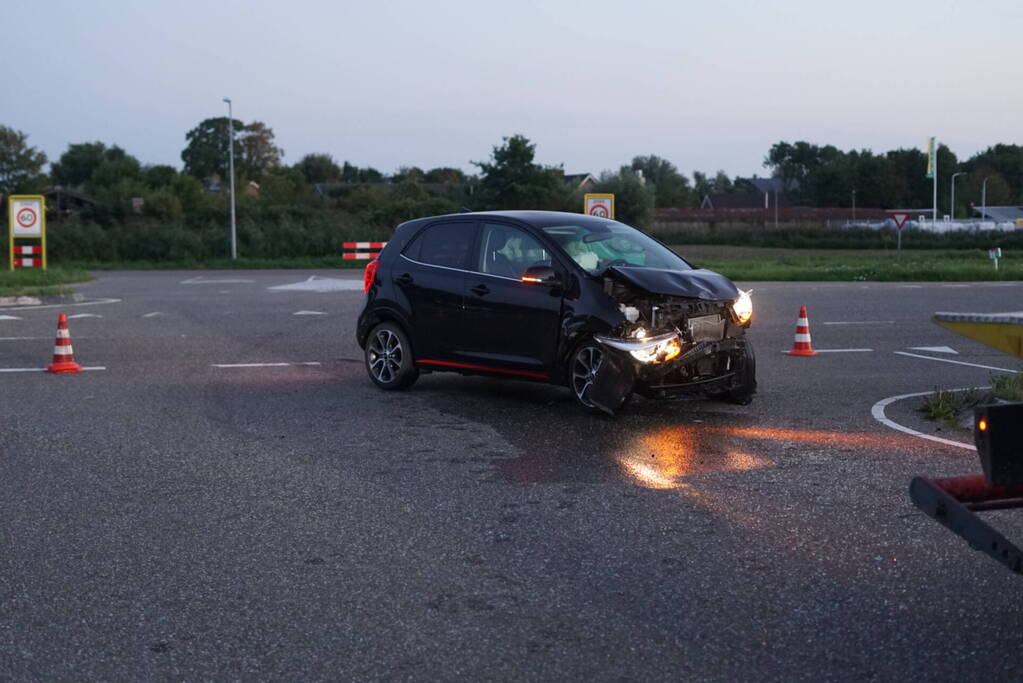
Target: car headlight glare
(650,350)
(743,308)
(658,352)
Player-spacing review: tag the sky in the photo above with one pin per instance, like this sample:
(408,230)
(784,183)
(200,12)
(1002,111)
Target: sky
(707,85)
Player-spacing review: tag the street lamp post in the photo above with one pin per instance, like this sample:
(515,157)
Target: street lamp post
(230,156)
(952,208)
(854,206)
(983,199)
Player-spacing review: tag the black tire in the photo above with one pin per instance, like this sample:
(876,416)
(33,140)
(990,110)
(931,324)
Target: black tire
(742,393)
(389,360)
(583,365)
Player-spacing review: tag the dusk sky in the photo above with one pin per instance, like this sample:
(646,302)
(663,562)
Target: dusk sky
(708,85)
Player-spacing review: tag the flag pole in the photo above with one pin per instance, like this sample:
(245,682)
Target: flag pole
(934,212)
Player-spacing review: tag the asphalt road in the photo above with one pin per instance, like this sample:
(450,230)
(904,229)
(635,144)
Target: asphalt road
(165,518)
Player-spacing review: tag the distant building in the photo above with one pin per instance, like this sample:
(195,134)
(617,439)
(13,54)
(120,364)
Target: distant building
(66,202)
(580,181)
(1000,214)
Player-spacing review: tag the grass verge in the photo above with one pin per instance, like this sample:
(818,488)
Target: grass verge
(946,407)
(35,282)
(751,263)
(298,262)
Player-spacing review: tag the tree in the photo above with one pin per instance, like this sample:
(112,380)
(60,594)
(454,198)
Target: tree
(159,175)
(671,187)
(319,168)
(512,181)
(452,176)
(21,166)
(259,153)
(1007,162)
(77,164)
(408,174)
(354,174)
(206,154)
(634,200)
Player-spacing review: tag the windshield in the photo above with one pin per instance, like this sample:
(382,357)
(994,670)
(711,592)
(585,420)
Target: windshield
(599,244)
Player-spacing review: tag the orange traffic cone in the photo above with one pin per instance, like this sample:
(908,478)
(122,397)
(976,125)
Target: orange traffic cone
(63,354)
(802,345)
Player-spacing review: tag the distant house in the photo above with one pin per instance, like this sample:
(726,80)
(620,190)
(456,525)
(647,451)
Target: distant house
(580,181)
(1001,214)
(66,202)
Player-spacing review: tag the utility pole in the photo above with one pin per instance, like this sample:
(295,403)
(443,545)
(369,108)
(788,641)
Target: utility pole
(854,205)
(952,208)
(230,152)
(983,199)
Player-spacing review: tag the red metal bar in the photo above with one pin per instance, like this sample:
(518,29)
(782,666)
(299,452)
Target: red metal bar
(975,489)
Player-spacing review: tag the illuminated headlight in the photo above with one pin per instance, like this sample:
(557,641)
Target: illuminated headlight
(743,308)
(652,350)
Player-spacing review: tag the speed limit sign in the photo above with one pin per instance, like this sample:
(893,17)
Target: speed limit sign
(599,205)
(27,216)
(27,221)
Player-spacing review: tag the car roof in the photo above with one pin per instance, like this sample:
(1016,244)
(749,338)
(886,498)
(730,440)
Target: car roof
(538,219)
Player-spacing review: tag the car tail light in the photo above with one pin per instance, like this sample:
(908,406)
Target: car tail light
(370,275)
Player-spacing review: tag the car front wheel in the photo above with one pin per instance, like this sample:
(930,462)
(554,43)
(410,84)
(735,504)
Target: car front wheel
(389,360)
(582,372)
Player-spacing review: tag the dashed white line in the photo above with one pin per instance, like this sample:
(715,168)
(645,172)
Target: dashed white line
(840,351)
(96,302)
(309,313)
(84,315)
(95,367)
(204,281)
(152,315)
(261,365)
(861,322)
(877,411)
(955,362)
(9,317)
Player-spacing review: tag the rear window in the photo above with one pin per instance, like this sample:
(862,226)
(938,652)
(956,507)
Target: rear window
(443,244)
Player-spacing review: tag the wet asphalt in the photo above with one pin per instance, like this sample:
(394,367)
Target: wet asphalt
(165,519)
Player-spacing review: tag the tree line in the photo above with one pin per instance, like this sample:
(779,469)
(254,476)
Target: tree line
(363,199)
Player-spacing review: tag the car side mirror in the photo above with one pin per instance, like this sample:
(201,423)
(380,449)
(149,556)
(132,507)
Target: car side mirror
(541,275)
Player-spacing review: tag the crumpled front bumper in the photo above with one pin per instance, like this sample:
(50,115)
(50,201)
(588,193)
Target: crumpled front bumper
(703,367)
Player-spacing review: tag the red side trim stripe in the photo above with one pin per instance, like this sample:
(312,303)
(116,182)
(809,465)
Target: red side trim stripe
(468,366)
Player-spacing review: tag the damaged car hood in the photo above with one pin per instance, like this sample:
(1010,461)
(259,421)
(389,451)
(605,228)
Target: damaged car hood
(694,284)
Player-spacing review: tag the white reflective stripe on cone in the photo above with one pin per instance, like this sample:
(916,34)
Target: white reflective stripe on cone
(802,337)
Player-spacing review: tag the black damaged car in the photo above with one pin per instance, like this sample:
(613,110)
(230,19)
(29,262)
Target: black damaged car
(553,297)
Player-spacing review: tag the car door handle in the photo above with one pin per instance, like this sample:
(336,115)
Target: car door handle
(404,279)
(480,290)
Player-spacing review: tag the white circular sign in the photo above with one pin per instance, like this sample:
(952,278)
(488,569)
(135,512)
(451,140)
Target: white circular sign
(27,217)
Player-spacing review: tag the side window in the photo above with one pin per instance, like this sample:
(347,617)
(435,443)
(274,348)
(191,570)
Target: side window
(443,244)
(509,251)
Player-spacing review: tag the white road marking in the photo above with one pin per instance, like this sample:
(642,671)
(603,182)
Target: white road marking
(862,322)
(83,315)
(152,315)
(225,281)
(878,413)
(9,317)
(309,313)
(321,284)
(911,287)
(956,362)
(96,302)
(841,351)
(96,367)
(261,365)
(935,349)
(957,286)
(844,350)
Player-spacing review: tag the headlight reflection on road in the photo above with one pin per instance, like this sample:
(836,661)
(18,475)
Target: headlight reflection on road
(659,460)
(665,457)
